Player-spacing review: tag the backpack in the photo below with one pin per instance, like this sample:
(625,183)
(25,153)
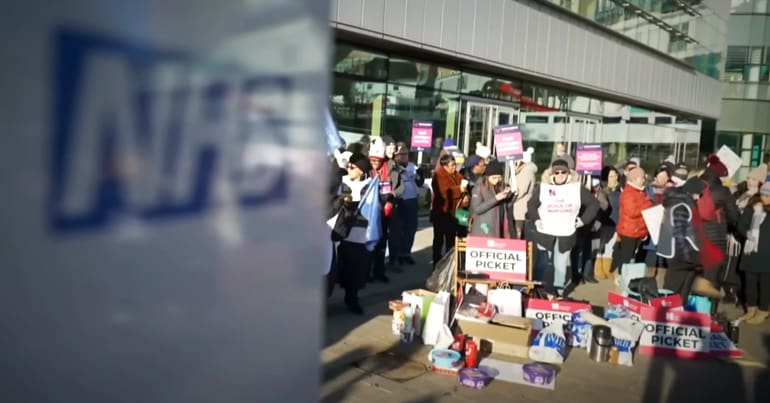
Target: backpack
(707,208)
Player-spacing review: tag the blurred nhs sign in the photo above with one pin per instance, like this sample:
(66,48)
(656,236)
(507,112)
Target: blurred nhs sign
(155,134)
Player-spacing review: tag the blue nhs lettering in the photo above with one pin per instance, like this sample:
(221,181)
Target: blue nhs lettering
(152,134)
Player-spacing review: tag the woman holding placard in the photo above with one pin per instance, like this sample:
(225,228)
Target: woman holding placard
(491,205)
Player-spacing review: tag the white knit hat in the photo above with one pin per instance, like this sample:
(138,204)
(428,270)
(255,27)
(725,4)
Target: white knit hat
(482,150)
(528,155)
(377,148)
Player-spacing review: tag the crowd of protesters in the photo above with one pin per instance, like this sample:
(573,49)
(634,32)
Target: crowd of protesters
(712,241)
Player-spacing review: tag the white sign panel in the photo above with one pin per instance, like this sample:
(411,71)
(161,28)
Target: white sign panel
(731,160)
(559,207)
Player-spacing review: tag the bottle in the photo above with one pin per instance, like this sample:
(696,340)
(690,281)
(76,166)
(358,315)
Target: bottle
(614,356)
(471,354)
(408,319)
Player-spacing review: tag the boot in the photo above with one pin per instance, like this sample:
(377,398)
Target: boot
(703,287)
(599,268)
(758,318)
(751,311)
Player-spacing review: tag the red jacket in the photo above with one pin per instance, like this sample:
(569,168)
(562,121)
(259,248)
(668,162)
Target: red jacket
(632,202)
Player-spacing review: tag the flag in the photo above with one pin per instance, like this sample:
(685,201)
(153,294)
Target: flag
(333,139)
(370,208)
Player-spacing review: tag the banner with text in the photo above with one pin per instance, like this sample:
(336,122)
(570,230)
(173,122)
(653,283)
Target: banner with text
(544,311)
(422,135)
(588,159)
(559,207)
(675,333)
(508,144)
(635,307)
(500,259)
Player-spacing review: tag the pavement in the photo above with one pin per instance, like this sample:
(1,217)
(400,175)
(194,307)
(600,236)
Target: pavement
(363,362)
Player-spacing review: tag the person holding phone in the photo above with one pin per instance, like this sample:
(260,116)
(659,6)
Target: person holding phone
(492,205)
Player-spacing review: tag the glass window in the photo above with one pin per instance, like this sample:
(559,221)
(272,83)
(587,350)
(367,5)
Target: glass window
(662,120)
(423,74)
(737,57)
(536,119)
(489,87)
(358,62)
(408,103)
(639,120)
(358,106)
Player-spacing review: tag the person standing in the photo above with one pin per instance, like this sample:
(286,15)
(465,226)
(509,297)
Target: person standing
(560,153)
(491,205)
(473,170)
(390,188)
(404,225)
(608,218)
(447,188)
(756,227)
(525,186)
(631,228)
(553,228)
(353,259)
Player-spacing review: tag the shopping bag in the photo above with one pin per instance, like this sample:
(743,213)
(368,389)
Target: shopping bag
(506,300)
(438,318)
(443,275)
(420,300)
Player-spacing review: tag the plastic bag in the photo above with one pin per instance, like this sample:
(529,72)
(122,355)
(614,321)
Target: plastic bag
(549,344)
(625,334)
(442,277)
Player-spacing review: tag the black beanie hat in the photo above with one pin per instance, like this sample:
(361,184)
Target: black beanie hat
(494,168)
(560,163)
(361,161)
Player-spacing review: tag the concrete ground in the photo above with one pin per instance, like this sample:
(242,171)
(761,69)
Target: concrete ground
(363,362)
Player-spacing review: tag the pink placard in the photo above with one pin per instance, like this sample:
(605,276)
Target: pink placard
(588,159)
(500,259)
(422,136)
(508,144)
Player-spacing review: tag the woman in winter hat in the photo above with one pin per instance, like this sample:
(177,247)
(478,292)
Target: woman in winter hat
(756,253)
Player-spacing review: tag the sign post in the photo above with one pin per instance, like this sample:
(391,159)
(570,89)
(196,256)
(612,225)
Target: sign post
(422,138)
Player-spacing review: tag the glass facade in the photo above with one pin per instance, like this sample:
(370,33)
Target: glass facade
(374,93)
(684,29)
(747,84)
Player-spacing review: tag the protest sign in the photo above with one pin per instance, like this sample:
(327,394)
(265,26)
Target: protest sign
(588,159)
(500,259)
(422,135)
(508,144)
(559,207)
(731,160)
(675,333)
(721,345)
(653,218)
(544,311)
(636,307)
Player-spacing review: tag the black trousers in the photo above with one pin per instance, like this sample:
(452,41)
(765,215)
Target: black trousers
(627,248)
(581,256)
(758,290)
(444,232)
(378,257)
(680,276)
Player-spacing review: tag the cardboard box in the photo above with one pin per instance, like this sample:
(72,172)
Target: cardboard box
(505,340)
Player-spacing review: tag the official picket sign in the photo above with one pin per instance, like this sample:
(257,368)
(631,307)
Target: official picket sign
(675,333)
(636,307)
(544,311)
(500,259)
(721,345)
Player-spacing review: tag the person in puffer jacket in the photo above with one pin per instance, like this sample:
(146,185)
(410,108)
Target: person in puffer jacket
(631,228)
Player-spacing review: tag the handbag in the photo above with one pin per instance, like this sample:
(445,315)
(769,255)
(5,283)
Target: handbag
(646,287)
(463,217)
(343,224)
